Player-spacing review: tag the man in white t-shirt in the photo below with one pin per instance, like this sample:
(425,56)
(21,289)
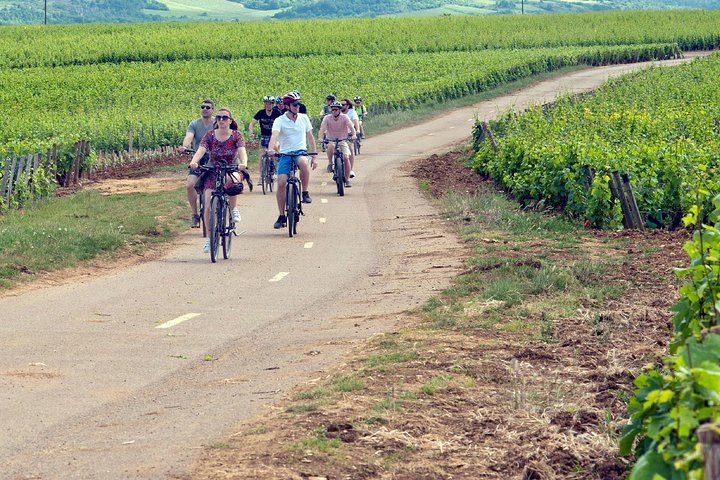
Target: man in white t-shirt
(348,110)
(291,134)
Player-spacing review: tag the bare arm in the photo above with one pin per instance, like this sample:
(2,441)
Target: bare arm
(242,158)
(251,128)
(187,141)
(323,129)
(196,158)
(273,145)
(313,149)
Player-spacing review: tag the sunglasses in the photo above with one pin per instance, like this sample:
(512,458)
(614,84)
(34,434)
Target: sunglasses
(206,107)
(222,117)
(294,104)
(346,104)
(335,109)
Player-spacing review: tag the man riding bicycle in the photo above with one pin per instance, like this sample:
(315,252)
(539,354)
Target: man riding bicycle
(291,134)
(336,125)
(361,112)
(196,130)
(348,110)
(329,100)
(265,117)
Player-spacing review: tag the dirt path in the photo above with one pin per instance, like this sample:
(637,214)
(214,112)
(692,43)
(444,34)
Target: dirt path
(99,381)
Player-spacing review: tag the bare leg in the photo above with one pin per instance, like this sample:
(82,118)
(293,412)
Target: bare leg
(191,192)
(280,196)
(304,172)
(207,194)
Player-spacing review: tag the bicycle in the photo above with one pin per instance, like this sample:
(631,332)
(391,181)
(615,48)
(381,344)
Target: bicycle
(338,166)
(200,197)
(222,225)
(267,168)
(356,143)
(293,194)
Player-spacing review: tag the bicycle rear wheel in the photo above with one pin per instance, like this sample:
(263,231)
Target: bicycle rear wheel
(216,225)
(228,232)
(291,199)
(339,167)
(356,145)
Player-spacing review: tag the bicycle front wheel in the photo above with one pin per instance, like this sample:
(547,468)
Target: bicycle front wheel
(228,232)
(340,174)
(263,172)
(291,199)
(216,226)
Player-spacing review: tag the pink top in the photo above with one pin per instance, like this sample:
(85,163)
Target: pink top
(337,128)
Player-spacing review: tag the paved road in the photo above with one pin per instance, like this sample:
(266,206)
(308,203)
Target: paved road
(98,381)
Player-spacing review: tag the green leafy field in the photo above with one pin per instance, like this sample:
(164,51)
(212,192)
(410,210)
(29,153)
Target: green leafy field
(661,126)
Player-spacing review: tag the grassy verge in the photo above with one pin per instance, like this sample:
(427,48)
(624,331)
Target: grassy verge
(63,232)
(519,370)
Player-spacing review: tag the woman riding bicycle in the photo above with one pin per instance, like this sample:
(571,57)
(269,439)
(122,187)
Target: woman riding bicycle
(226,145)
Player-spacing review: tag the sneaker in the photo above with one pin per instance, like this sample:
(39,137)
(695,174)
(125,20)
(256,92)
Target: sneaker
(306,197)
(206,247)
(348,184)
(281,222)
(195,222)
(236,214)
(329,168)
(352,174)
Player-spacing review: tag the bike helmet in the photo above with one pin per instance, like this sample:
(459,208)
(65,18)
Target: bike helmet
(233,188)
(291,97)
(336,105)
(358,99)
(278,99)
(330,97)
(269,98)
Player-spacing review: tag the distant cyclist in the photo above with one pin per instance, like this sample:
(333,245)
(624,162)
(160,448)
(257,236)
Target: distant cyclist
(279,105)
(361,112)
(291,134)
(326,111)
(336,125)
(348,110)
(196,130)
(265,117)
(224,144)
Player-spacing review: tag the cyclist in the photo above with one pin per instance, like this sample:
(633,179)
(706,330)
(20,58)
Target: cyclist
(348,110)
(196,130)
(361,112)
(224,144)
(336,125)
(326,111)
(303,108)
(265,117)
(279,106)
(291,134)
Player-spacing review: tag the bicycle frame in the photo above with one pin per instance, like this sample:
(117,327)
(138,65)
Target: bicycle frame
(222,226)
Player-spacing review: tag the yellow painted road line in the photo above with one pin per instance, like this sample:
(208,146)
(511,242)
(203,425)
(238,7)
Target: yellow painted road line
(178,320)
(279,276)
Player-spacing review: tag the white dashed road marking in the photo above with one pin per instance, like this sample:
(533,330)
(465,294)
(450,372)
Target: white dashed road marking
(308,244)
(323,200)
(322,220)
(178,320)
(279,276)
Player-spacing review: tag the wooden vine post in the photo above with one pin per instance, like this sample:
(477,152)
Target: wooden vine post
(709,437)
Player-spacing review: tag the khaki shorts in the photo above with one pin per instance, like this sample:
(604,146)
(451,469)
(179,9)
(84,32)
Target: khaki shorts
(344,147)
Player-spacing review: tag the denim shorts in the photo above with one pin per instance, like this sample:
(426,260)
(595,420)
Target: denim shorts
(285,160)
